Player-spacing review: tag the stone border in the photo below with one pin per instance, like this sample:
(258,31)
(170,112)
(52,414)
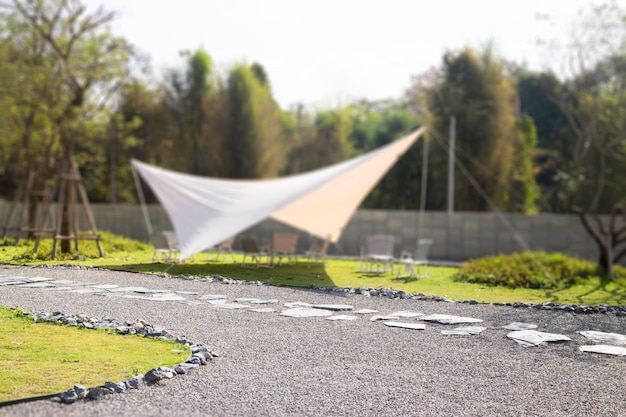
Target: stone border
(200,354)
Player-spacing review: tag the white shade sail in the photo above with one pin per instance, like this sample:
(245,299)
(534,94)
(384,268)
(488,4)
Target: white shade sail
(205,211)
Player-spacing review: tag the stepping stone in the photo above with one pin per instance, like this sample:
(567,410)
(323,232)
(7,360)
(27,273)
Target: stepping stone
(403,325)
(140,290)
(365,311)
(226,305)
(605,338)
(464,331)
(65,282)
(37,285)
(380,318)
(213,297)
(333,307)
(12,282)
(605,349)
(85,290)
(255,301)
(187,292)
(168,297)
(262,310)
(105,286)
(447,319)
(39,279)
(406,314)
(302,312)
(297,304)
(189,302)
(340,317)
(535,338)
(519,326)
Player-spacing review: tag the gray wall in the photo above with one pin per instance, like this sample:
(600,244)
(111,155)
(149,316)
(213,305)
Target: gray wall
(456,237)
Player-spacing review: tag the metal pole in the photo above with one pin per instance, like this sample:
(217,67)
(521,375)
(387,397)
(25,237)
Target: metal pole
(142,201)
(420,226)
(451,165)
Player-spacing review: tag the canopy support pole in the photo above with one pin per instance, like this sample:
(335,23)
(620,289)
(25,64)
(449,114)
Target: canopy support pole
(142,201)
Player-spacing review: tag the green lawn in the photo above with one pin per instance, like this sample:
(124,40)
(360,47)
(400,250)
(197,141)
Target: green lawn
(40,358)
(339,272)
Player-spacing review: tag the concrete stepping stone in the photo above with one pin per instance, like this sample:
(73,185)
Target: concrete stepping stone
(36,285)
(255,301)
(404,325)
(140,290)
(341,317)
(448,319)
(38,279)
(365,311)
(535,338)
(519,326)
(262,310)
(187,292)
(168,297)
(229,306)
(297,304)
(406,314)
(384,318)
(333,307)
(213,297)
(605,338)
(85,290)
(604,349)
(303,312)
(464,331)
(105,286)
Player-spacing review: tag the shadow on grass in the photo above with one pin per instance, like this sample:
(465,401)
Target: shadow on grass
(617,292)
(299,274)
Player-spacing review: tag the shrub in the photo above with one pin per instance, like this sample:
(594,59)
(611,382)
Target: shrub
(530,270)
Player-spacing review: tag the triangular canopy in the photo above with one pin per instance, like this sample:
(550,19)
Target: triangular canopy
(205,211)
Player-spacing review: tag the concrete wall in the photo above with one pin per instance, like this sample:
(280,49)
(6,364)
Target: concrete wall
(456,237)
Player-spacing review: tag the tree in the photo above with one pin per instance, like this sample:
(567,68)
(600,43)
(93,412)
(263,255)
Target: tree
(80,62)
(189,92)
(476,91)
(593,100)
(254,132)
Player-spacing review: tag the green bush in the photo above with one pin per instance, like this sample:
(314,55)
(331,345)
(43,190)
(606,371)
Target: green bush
(530,270)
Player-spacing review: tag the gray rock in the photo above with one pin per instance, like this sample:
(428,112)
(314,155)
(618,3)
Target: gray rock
(155,375)
(80,390)
(116,387)
(134,382)
(68,397)
(98,392)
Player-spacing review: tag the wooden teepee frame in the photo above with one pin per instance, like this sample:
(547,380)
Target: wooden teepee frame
(70,187)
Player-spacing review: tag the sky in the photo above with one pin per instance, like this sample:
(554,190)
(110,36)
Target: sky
(329,52)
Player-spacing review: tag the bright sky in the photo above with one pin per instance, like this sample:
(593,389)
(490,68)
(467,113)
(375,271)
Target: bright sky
(327,52)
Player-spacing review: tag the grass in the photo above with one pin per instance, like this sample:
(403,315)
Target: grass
(41,358)
(127,255)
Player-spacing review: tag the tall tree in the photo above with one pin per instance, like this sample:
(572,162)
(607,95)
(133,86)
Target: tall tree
(80,62)
(254,131)
(476,91)
(189,93)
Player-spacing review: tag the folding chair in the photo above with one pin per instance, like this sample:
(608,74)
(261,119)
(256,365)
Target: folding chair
(377,256)
(412,261)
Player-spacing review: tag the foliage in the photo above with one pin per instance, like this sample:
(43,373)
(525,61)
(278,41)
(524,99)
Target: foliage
(529,270)
(476,91)
(43,358)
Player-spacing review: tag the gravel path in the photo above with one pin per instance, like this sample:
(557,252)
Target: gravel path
(271,365)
